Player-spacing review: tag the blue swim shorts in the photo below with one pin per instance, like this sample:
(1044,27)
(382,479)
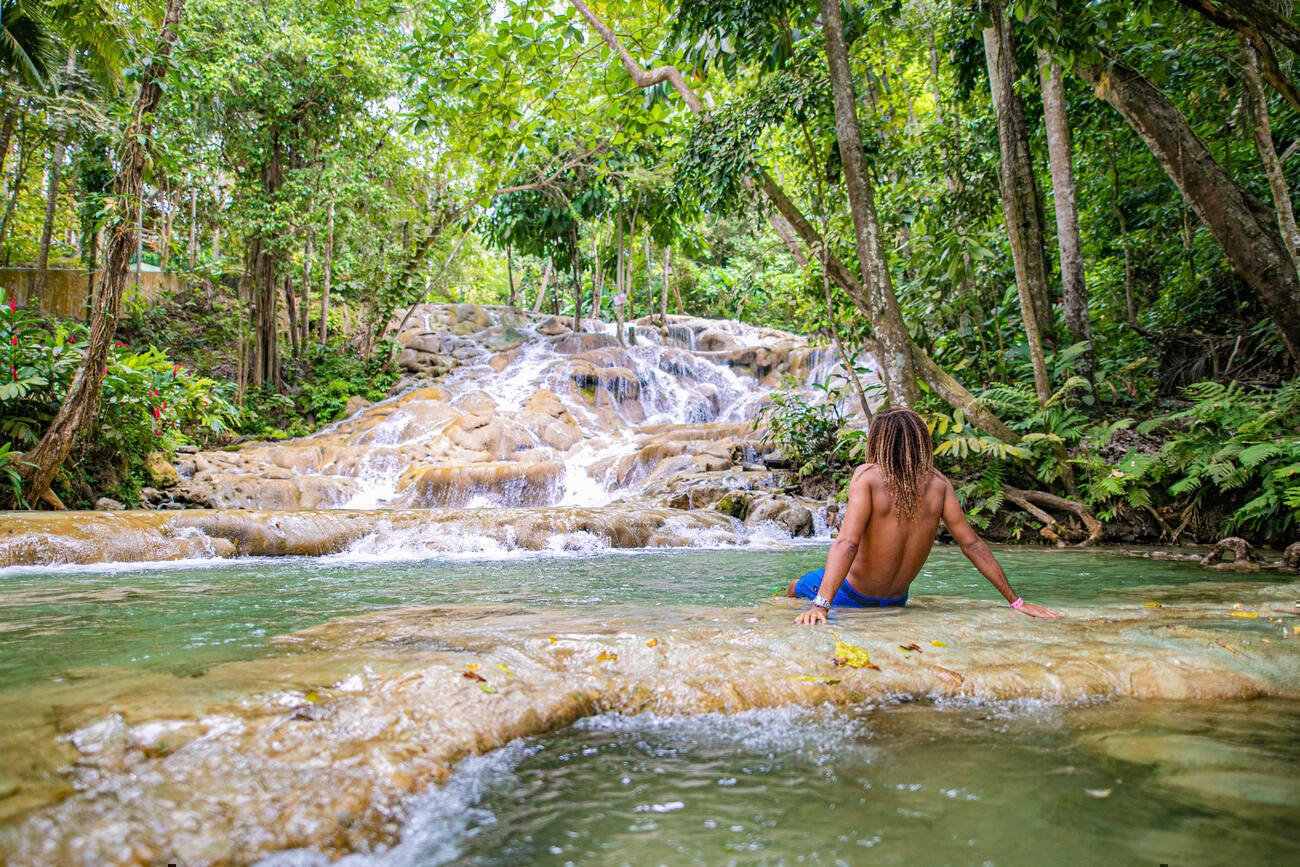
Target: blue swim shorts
(846,596)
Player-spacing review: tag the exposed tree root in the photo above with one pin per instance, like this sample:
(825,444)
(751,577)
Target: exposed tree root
(1037,502)
(1244,557)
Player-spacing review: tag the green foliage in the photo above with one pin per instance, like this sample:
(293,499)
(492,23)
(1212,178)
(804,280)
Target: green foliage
(1239,449)
(812,434)
(148,402)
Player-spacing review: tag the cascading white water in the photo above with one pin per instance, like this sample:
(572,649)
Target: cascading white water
(499,409)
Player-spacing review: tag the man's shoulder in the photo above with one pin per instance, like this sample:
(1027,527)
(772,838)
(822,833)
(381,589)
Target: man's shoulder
(867,472)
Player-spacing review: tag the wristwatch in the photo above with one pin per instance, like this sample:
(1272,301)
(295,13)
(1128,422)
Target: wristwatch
(822,602)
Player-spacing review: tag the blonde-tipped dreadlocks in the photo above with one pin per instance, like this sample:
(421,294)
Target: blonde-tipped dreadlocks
(899,443)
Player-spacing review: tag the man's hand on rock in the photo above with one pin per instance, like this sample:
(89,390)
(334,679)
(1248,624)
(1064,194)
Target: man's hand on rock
(814,616)
(1039,611)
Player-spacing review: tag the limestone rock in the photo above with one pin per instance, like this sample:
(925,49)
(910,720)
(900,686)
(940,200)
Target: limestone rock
(108,504)
(355,404)
(160,471)
(794,518)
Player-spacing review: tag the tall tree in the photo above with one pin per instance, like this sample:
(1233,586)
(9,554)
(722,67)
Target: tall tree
(1244,226)
(80,407)
(1021,207)
(896,364)
(1074,291)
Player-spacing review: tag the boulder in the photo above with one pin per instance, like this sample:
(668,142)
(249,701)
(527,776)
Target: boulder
(794,518)
(553,327)
(108,504)
(160,471)
(495,436)
(355,404)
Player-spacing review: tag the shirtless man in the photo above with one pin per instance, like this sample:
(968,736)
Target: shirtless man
(895,502)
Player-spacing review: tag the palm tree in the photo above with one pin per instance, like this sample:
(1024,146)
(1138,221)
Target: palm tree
(26,41)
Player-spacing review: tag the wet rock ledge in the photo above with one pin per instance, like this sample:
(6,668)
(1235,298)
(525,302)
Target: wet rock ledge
(327,764)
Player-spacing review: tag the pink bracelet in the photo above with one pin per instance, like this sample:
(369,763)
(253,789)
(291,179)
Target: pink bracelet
(1019,603)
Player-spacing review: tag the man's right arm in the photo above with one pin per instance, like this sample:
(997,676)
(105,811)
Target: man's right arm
(980,555)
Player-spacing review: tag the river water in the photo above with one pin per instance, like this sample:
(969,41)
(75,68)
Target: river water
(659,763)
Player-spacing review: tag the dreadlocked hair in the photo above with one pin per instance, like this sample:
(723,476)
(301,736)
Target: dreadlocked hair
(899,443)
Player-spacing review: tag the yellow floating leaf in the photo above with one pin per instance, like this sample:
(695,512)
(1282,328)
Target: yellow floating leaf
(605,656)
(1153,605)
(1251,614)
(489,690)
(1226,647)
(1267,640)
(312,695)
(472,666)
(552,639)
(810,678)
(854,657)
(1295,628)
(937,644)
(503,668)
(652,642)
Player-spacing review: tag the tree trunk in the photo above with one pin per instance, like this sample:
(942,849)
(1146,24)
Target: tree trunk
(887,318)
(327,277)
(6,136)
(291,310)
(20,175)
(52,193)
(1244,226)
(510,275)
(577,284)
(308,254)
(1130,309)
(1257,103)
(192,248)
(597,277)
(663,290)
(542,286)
(1074,291)
(51,205)
(80,406)
(649,274)
(1020,205)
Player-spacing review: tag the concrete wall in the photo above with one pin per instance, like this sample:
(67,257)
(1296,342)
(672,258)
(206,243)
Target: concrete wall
(66,288)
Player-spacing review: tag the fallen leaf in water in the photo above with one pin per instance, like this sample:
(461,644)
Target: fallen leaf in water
(1153,605)
(605,656)
(489,690)
(908,648)
(854,657)
(1098,793)
(1243,613)
(937,644)
(474,675)
(652,642)
(1267,640)
(311,695)
(810,678)
(1227,647)
(552,639)
(472,666)
(948,676)
(502,666)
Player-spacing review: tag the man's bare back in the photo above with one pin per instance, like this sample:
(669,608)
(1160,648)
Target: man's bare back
(880,552)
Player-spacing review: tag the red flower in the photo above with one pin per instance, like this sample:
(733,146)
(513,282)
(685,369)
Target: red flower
(15,340)
(14,371)
(13,304)
(106,370)
(157,413)
(157,433)
(72,338)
